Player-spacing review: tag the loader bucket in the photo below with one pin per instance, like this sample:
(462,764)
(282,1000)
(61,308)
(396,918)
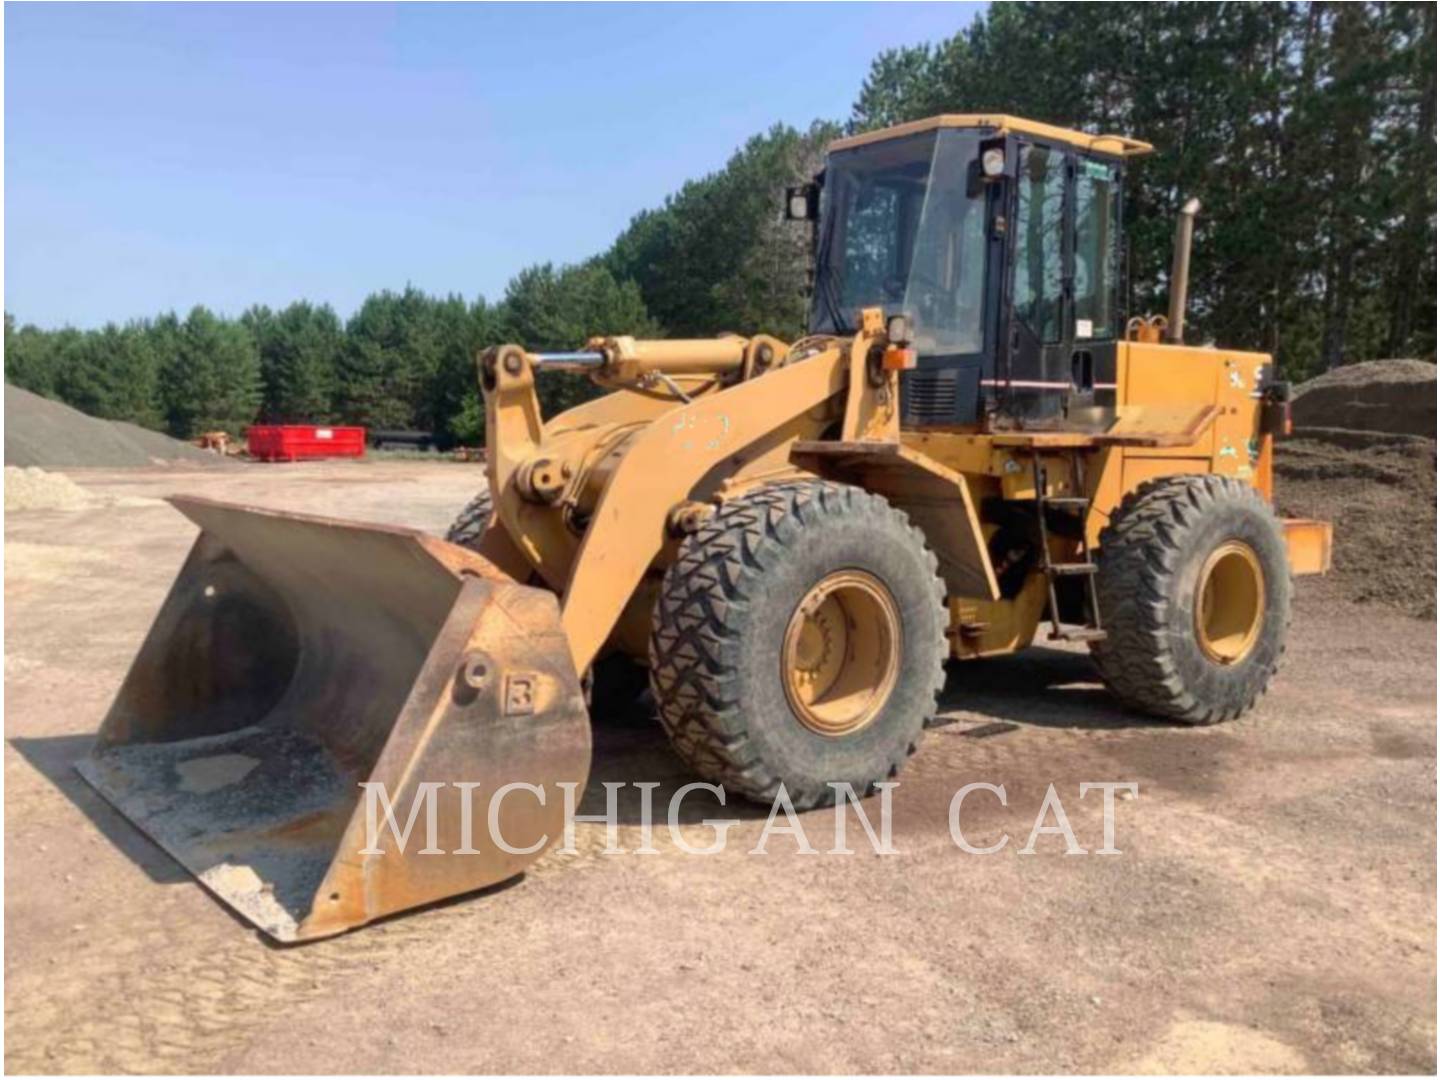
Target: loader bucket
(298,657)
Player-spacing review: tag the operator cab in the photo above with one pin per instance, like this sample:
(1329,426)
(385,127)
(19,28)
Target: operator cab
(999,240)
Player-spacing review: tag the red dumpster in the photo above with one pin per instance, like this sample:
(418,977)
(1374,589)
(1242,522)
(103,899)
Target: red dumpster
(291,442)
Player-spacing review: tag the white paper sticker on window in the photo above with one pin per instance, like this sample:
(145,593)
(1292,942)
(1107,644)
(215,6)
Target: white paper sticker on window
(1084,328)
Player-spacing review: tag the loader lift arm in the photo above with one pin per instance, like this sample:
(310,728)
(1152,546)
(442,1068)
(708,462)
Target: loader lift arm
(674,458)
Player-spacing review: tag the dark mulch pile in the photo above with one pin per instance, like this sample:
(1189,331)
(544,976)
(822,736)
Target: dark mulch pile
(1379,491)
(1391,396)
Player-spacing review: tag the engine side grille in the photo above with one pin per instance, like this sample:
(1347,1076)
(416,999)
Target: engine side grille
(938,396)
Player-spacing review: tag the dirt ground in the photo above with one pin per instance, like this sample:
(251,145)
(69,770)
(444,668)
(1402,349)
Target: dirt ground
(1273,908)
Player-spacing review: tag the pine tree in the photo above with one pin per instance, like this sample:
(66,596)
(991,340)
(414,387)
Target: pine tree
(32,356)
(388,367)
(210,378)
(112,373)
(299,351)
(717,256)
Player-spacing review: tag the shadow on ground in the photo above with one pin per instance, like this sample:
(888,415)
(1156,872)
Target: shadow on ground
(1040,687)
(55,758)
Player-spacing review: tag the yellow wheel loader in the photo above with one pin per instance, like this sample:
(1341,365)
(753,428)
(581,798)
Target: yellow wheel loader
(792,537)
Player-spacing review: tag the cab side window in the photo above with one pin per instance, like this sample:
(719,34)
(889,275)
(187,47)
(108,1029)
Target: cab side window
(1095,251)
(1039,251)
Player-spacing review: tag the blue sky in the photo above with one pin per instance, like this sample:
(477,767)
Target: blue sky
(158,156)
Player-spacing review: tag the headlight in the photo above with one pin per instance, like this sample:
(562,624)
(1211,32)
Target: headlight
(992,162)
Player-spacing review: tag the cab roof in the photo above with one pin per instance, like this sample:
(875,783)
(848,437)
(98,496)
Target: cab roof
(1117,145)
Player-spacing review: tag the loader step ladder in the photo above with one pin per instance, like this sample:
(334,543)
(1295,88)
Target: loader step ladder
(1085,568)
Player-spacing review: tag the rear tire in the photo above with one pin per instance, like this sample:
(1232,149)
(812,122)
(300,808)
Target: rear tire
(1194,588)
(799,638)
(472,522)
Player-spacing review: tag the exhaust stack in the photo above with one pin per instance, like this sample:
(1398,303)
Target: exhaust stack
(1180,271)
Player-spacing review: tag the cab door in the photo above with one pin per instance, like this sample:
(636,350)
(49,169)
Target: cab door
(1035,381)
(1063,273)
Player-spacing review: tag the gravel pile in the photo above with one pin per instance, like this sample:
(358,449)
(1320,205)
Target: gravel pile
(35,489)
(1363,457)
(52,435)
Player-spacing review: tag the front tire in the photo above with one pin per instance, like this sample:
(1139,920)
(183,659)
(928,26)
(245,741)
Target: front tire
(799,638)
(1194,589)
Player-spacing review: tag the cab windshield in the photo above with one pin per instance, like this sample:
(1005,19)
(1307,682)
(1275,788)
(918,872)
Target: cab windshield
(898,231)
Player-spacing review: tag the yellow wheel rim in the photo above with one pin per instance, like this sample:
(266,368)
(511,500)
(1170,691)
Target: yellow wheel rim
(842,653)
(1229,602)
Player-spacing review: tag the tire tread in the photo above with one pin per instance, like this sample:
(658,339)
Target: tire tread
(695,640)
(470,524)
(1140,556)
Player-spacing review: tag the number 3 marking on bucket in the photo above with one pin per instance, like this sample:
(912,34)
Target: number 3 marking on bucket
(519,695)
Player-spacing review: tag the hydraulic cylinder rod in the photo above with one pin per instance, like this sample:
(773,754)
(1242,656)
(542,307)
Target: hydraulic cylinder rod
(568,361)
(625,357)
